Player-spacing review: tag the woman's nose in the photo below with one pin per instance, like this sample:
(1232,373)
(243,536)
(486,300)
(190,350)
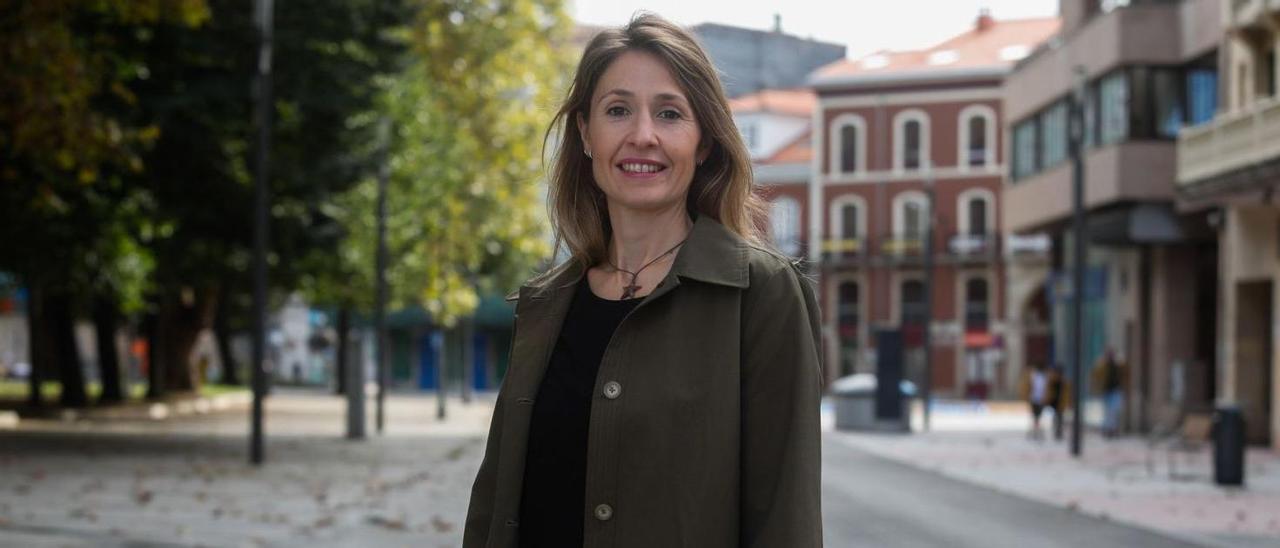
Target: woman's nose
(643,135)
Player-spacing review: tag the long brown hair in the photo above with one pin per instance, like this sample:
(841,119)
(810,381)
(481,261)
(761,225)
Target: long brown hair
(722,186)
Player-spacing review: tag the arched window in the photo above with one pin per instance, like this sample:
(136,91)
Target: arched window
(911,140)
(977,137)
(784,220)
(848,223)
(848,144)
(910,215)
(847,319)
(976,316)
(975,208)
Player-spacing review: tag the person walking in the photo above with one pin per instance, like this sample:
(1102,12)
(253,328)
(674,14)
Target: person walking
(1109,377)
(1059,399)
(664,381)
(1036,392)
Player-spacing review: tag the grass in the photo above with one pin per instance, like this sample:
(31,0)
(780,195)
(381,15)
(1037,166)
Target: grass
(50,390)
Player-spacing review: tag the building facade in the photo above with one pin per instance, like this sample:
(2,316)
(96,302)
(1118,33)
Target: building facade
(752,60)
(900,139)
(1146,69)
(1229,167)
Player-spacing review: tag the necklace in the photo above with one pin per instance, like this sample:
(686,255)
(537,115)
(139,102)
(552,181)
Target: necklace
(630,290)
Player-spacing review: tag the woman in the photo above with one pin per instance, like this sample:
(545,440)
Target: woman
(664,382)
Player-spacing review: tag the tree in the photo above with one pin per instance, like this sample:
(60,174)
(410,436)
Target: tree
(468,112)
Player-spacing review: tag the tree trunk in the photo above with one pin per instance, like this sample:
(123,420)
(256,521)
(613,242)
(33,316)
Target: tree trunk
(186,316)
(344,326)
(70,368)
(38,355)
(155,373)
(105,321)
(222,332)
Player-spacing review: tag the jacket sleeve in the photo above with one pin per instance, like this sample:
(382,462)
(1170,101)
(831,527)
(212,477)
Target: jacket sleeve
(781,435)
(480,509)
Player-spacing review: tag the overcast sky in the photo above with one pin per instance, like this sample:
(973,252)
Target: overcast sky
(863,26)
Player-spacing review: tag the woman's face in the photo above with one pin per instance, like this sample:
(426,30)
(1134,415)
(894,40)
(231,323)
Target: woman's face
(641,135)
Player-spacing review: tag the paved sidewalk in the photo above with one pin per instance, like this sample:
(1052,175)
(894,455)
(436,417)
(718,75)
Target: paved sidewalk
(185,480)
(988,446)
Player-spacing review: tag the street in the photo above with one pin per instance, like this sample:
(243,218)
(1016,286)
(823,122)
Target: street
(870,501)
(184,481)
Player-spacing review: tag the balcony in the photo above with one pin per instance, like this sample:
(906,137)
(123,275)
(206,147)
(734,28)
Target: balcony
(1229,143)
(1031,248)
(903,247)
(842,251)
(972,247)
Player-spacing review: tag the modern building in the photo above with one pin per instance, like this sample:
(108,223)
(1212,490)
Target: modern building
(1146,69)
(751,60)
(902,137)
(1229,167)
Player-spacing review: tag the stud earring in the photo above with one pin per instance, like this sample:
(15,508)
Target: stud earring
(587,152)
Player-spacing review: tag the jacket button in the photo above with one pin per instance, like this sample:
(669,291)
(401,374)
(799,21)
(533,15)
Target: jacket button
(612,390)
(604,512)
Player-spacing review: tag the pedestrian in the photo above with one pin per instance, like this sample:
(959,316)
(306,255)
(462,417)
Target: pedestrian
(1036,392)
(1109,377)
(1059,398)
(664,381)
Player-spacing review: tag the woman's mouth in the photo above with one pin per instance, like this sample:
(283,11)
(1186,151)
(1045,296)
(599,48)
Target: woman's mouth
(641,168)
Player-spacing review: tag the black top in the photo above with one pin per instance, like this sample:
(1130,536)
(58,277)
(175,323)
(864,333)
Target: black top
(552,502)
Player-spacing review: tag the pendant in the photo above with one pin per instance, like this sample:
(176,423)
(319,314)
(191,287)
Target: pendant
(629,291)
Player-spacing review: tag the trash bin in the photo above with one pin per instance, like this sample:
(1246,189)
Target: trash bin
(1228,445)
(855,399)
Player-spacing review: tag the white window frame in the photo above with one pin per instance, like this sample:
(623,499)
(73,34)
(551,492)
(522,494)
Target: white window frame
(796,227)
(900,139)
(900,200)
(962,210)
(962,155)
(836,216)
(837,144)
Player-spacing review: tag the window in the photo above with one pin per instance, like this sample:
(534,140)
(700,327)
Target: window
(1202,95)
(784,219)
(977,141)
(977,136)
(1113,108)
(848,149)
(1167,102)
(976,317)
(849,221)
(912,221)
(914,311)
(847,324)
(977,216)
(1090,116)
(848,144)
(1053,135)
(1268,71)
(1024,149)
(910,140)
(911,148)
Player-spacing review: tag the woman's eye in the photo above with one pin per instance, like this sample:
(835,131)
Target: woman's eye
(615,111)
(670,114)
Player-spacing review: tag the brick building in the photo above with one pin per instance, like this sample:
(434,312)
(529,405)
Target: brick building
(888,127)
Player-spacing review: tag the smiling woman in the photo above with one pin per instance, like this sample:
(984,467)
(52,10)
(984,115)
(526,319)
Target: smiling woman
(664,381)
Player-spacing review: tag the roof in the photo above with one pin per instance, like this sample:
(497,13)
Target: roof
(799,150)
(788,102)
(990,48)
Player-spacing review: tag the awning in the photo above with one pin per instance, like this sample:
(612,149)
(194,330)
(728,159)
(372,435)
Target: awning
(1137,224)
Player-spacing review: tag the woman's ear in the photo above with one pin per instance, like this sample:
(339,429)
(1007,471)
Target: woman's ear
(704,150)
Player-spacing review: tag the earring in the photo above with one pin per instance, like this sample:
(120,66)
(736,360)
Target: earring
(587,152)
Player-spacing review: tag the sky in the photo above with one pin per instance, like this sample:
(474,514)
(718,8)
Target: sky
(864,26)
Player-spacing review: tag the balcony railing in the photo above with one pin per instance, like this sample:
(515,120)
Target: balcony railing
(971,246)
(1229,142)
(842,250)
(1035,246)
(903,246)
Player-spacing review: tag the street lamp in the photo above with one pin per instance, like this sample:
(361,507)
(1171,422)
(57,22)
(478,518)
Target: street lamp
(262,16)
(1077,263)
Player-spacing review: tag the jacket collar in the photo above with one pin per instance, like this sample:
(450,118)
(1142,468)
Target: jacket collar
(713,254)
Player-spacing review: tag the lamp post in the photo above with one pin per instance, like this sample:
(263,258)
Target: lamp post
(262,17)
(928,291)
(1078,258)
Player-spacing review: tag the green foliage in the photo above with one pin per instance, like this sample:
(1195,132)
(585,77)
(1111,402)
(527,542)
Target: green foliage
(464,156)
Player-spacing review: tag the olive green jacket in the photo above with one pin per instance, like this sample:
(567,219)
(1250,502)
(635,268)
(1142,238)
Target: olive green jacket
(704,428)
